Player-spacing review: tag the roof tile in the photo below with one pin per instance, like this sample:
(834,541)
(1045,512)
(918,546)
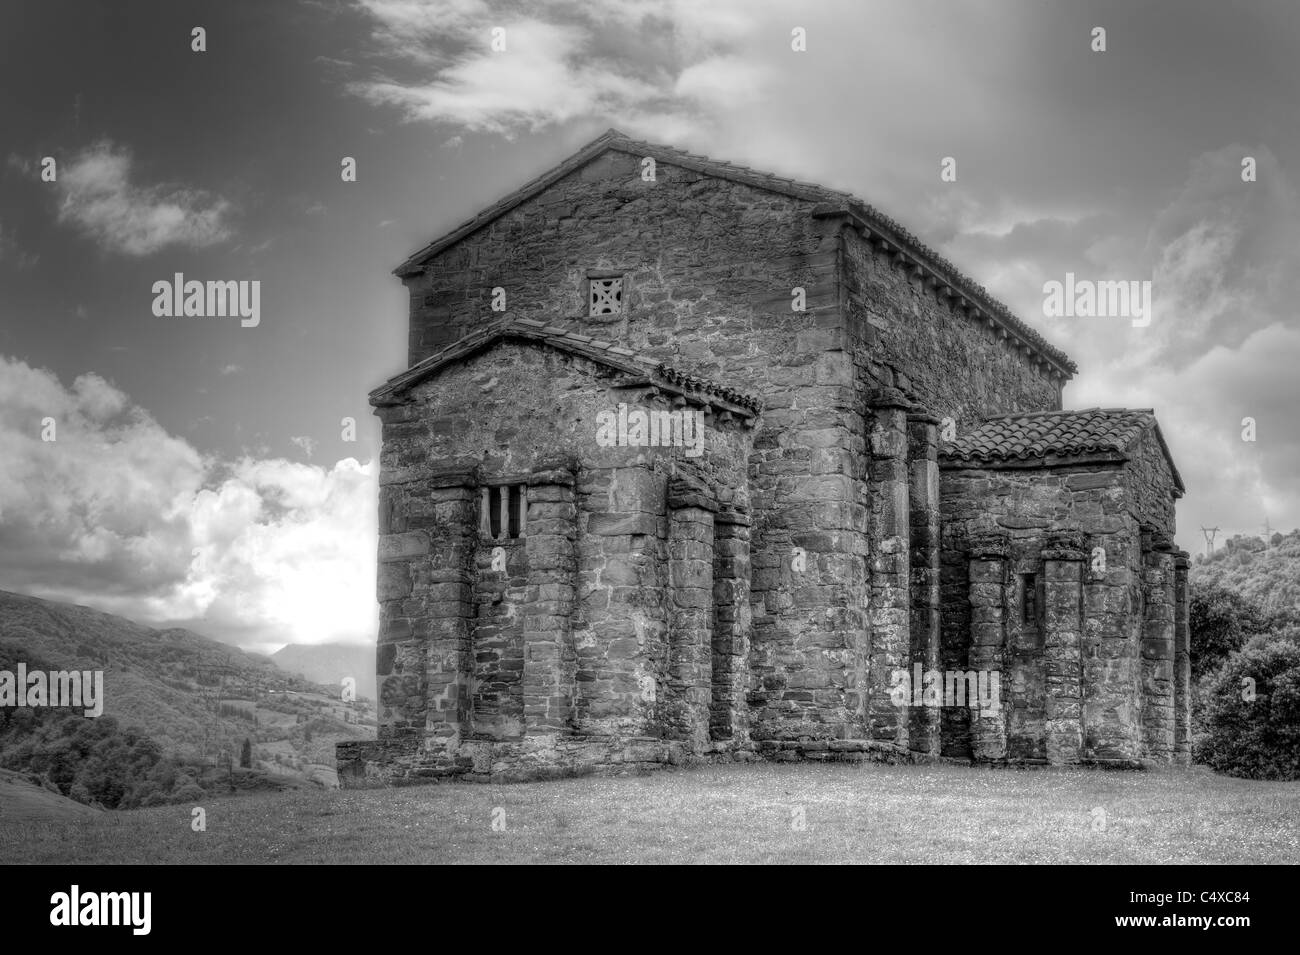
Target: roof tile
(1036,435)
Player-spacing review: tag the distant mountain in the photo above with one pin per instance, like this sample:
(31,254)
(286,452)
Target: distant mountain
(159,680)
(197,699)
(1267,573)
(329,663)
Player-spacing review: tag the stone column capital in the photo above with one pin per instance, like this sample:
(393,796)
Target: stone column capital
(732,515)
(552,472)
(685,491)
(455,475)
(1065,545)
(988,547)
(881,399)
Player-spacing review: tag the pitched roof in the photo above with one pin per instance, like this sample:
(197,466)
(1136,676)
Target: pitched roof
(1056,436)
(638,368)
(829,202)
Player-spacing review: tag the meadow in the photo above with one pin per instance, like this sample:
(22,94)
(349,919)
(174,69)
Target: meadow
(739,813)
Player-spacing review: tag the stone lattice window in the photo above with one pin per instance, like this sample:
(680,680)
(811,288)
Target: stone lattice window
(504,508)
(605,296)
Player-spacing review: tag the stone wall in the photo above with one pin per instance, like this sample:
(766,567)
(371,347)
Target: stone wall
(589,639)
(710,266)
(905,334)
(905,337)
(1070,648)
(1149,485)
(665,608)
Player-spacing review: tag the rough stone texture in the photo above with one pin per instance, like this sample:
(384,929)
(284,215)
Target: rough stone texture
(758,600)
(925,557)
(1093,681)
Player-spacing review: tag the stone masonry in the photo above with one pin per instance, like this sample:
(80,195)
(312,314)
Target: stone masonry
(710,464)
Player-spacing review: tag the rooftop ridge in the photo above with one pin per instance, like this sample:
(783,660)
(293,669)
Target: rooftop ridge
(1066,411)
(943,271)
(597,349)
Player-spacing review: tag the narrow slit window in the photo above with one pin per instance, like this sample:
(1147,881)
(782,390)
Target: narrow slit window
(1029,599)
(516,509)
(494,511)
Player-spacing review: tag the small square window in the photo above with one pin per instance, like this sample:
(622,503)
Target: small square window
(605,296)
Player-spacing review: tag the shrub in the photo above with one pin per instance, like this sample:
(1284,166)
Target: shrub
(1256,738)
(189,792)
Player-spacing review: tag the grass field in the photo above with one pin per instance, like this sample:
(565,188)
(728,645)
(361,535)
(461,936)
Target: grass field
(734,813)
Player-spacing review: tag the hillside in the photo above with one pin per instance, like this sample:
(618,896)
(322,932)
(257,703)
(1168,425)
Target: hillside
(329,663)
(22,800)
(196,699)
(1268,576)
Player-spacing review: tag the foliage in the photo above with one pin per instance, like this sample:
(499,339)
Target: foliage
(1253,712)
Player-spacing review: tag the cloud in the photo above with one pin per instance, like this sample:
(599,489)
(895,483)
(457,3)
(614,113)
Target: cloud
(1224,339)
(646,64)
(97,196)
(1232,483)
(119,514)
(231,369)
(308,445)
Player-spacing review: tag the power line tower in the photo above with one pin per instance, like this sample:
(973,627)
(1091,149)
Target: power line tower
(1268,536)
(211,679)
(1209,533)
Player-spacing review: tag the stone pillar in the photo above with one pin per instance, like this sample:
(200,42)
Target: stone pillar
(1111,665)
(731,623)
(1158,647)
(988,570)
(1182,662)
(426,547)
(890,605)
(924,555)
(548,608)
(690,581)
(1063,558)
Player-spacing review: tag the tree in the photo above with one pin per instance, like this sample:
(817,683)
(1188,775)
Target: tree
(1221,621)
(246,754)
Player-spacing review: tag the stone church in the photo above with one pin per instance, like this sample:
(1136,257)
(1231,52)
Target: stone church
(693,462)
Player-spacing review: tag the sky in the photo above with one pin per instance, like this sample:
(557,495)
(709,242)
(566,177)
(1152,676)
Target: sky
(202,472)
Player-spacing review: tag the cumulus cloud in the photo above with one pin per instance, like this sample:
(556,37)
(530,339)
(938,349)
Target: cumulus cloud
(119,514)
(1224,339)
(98,197)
